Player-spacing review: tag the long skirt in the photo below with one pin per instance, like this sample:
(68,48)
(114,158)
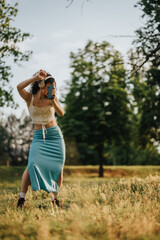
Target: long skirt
(46,159)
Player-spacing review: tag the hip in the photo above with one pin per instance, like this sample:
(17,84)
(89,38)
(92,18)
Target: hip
(51,133)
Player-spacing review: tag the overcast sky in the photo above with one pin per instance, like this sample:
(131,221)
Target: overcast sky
(58,30)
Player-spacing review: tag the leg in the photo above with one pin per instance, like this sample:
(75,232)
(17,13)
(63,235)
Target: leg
(55,200)
(59,182)
(60,179)
(25,181)
(24,187)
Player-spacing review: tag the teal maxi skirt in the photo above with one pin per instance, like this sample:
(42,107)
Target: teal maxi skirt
(46,159)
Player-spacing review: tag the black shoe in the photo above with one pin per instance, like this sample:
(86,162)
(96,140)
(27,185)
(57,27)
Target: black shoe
(57,202)
(20,202)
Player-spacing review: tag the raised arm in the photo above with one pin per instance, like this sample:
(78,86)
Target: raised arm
(20,87)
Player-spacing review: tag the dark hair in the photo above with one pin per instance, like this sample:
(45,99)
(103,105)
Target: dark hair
(34,86)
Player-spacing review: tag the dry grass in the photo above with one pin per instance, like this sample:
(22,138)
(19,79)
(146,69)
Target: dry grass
(102,209)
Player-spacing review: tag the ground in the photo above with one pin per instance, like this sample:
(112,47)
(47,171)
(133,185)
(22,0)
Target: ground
(125,204)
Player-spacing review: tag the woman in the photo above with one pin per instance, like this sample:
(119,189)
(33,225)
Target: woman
(47,151)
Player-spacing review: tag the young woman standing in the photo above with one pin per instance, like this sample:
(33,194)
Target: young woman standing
(47,151)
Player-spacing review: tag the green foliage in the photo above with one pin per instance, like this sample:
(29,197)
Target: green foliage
(97,105)
(150,120)
(111,118)
(146,93)
(10,36)
(145,61)
(147,43)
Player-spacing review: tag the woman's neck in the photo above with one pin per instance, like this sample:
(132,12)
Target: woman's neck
(41,95)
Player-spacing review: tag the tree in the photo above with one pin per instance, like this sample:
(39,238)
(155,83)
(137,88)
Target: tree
(147,44)
(9,39)
(96,105)
(19,137)
(3,146)
(147,50)
(146,103)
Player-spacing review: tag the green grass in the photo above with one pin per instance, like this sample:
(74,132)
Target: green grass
(125,207)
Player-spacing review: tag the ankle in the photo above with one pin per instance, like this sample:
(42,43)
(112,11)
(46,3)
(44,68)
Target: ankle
(54,196)
(22,195)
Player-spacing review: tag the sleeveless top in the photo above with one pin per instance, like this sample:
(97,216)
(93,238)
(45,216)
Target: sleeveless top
(41,115)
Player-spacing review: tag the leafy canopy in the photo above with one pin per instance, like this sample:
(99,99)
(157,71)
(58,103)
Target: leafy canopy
(10,36)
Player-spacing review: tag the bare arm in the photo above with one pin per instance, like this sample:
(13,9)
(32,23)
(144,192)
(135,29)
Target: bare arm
(57,106)
(20,87)
(22,92)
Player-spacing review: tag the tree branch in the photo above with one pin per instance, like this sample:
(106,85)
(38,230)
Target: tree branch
(69,3)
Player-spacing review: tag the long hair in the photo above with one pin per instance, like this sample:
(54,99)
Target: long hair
(34,86)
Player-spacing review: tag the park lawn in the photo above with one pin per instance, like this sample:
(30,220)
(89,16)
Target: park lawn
(10,177)
(115,207)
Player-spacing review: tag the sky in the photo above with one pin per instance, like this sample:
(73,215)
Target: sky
(57,30)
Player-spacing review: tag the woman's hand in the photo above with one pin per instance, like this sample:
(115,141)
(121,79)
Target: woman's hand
(41,75)
(54,91)
(58,108)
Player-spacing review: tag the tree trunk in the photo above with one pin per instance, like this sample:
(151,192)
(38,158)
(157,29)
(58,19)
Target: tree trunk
(7,163)
(100,158)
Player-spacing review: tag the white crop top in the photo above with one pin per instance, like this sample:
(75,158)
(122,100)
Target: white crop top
(41,115)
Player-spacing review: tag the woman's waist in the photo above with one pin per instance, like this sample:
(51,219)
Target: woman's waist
(39,126)
(53,132)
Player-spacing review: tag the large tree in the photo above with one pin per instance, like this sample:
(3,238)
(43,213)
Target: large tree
(146,61)
(10,36)
(97,105)
(147,43)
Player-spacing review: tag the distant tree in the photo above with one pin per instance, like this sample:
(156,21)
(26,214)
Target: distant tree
(97,105)
(20,133)
(3,145)
(9,39)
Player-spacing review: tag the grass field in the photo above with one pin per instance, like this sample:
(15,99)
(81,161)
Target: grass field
(125,204)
